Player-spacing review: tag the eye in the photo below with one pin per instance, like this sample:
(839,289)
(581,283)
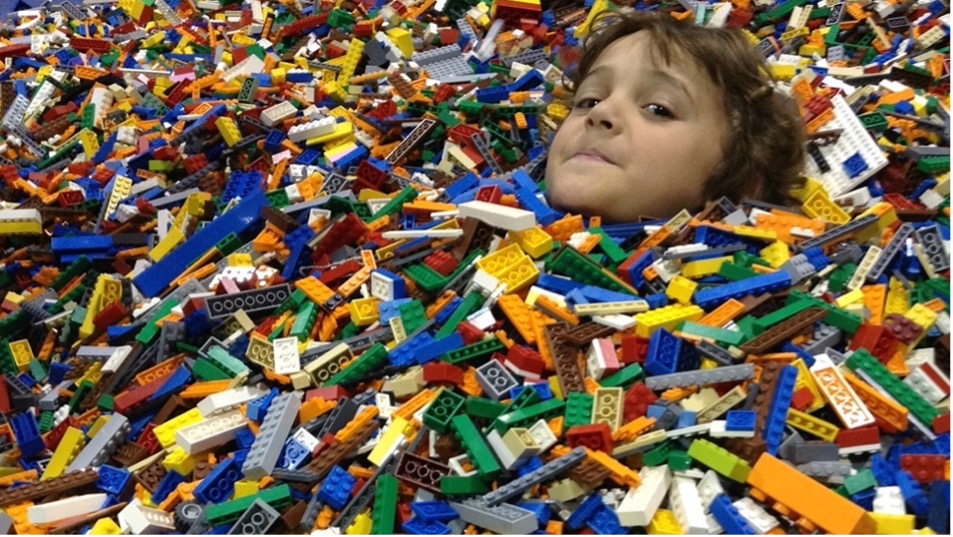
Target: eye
(586,103)
(659,110)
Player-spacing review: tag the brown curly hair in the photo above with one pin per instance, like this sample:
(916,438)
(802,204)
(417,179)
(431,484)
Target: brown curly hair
(765,148)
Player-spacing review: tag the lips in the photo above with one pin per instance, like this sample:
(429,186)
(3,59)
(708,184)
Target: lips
(592,155)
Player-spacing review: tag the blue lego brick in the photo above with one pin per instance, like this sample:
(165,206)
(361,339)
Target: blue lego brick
(418,526)
(541,388)
(605,522)
(855,165)
(664,348)
(256,410)
(244,438)
(766,283)
(598,294)
(336,488)
(556,284)
(808,358)
(528,200)
(528,81)
(444,315)
(780,404)
(27,434)
(524,181)
(938,517)
(57,372)
(293,455)
(406,353)
(538,508)
(686,419)
(585,511)
(176,381)
(656,300)
(219,484)
(531,465)
(882,471)
(169,482)
(864,499)
(493,94)
(729,518)
(436,349)
(399,287)
(113,480)
(386,310)
(81,244)
(154,279)
(912,494)
(433,511)
(741,420)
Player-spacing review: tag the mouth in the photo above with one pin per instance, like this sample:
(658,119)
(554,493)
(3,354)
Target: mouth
(592,156)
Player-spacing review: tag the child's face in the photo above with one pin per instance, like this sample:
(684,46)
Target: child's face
(642,137)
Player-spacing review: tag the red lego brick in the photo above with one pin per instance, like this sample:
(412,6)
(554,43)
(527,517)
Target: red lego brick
(441,262)
(802,399)
(525,359)
(596,437)
(634,349)
(924,468)
(879,341)
(441,372)
(471,334)
(637,400)
(848,438)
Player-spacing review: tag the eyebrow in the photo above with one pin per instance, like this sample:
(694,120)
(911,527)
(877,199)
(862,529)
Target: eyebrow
(659,75)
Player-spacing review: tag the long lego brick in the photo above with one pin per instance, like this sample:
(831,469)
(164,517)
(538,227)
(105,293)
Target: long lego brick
(57,485)
(154,279)
(861,361)
(701,377)
(264,452)
(102,445)
(775,483)
(549,471)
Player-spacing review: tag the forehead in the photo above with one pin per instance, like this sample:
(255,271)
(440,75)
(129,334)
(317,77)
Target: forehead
(641,51)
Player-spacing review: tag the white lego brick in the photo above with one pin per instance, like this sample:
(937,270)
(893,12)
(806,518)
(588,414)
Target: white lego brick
(616,321)
(640,503)
(306,439)
(229,399)
(889,501)
(212,432)
(287,359)
(508,218)
(543,435)
(719,430)
(709,488)
(684,501)
(277,113)
(138,519)
(760,520)
(75,506)
(311,129)
(421,233)
(503,453)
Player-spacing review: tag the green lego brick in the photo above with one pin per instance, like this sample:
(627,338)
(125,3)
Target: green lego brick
(527,397)
(578,410)
(442,410)
(468,306)
(730,337)
(412,315)
(658,455)
(527,416)
(373,358)
(304,321)
(622,378)
(407,195)
(720,460)
(204,370)
(278,497)
(836,317)
(482,408)
(608,246)
(473,351)
(780,315)
(477,449)
(919,408)
(861,481)
(459,485)
(573,263)
(384,513)
(81,392)
(679,461)
(735,273)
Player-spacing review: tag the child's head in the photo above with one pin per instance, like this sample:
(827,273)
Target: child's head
(667,115)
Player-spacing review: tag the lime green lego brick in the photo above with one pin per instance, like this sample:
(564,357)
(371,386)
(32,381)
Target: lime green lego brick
(730,337)
(278,497)
(477,449)
(578,410)
(623,378)
(720,460)
(483,408)
(384,513)
(919,408)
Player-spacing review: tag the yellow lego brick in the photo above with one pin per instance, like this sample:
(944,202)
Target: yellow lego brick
(898,298)
(496,263)
(854,297)
(806,380)
(105,526)
(583,29)
(519,275)
(122,186)
(681,289)
(173,238)
(703,267)
(824,430)
(387,442)
(179,461)
(239,260)
(245,488)
(72,442)
(752,232)
(342,129)
(818,205)
(893,524)
(923,317)
(165,432)
(533,241)
(230,132)
(776,253)
(22,354)
(96,426)
(667,317)
(363,311)
(361,525)
(664,523)
(90,143)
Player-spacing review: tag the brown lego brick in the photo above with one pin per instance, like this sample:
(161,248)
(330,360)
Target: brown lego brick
(784,331)
(57,485)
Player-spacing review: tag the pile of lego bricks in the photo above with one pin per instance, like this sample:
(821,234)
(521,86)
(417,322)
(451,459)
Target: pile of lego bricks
(281,268)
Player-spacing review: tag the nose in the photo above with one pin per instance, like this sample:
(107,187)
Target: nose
(601,117)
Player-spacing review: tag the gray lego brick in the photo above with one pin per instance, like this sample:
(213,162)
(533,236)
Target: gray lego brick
(503,519)
(549,471)
(264,452)
(495,380)
(701,377)
(256,520)
(103,445)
